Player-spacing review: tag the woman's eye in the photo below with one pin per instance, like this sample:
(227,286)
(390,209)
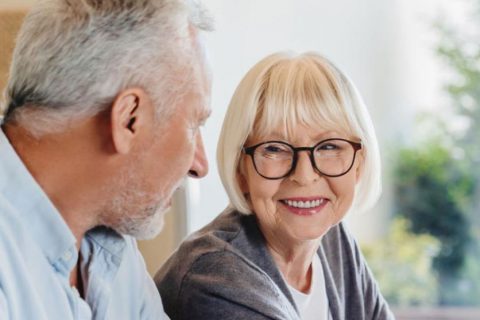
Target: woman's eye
(327,146)
(273,149)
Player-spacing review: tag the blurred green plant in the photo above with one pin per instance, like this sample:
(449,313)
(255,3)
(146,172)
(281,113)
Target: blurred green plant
(401,263)
(432,192)
(459,48)
(437,184)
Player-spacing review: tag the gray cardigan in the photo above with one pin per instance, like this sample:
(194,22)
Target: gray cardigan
(225,271)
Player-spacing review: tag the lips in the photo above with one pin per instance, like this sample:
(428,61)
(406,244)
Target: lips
(305,206)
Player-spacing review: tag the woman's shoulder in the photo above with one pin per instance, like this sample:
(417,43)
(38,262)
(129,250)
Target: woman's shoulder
(220,235)
(223,243)
(350,282)
(223,264)
(222,285)
(339,236)
(340,247)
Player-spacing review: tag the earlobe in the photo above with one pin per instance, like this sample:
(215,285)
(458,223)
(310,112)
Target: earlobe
(359,166)
(125,124)
(242,181)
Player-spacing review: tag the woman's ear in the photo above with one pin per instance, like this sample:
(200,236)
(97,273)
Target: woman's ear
(241,177)
(360,164)
(242,182)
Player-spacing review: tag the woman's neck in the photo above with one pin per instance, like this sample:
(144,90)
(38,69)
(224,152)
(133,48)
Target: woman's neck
(294,260)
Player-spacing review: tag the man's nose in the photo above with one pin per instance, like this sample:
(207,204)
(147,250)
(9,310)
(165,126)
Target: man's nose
(199,168)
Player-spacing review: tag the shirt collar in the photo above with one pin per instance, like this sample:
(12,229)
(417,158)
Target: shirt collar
(108,239)
(36,212)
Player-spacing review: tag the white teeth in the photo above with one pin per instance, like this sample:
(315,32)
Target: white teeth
(304,204)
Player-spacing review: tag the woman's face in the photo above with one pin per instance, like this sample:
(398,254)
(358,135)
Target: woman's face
(281,205)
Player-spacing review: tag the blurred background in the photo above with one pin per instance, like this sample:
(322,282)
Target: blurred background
(417,65)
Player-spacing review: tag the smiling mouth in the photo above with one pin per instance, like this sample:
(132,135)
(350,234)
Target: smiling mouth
(304,204)
(305,207)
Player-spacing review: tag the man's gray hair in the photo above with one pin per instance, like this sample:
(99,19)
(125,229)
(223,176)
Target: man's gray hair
(73,57)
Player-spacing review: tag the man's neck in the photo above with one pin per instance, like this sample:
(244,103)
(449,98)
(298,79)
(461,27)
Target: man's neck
(56,163)
(76,280)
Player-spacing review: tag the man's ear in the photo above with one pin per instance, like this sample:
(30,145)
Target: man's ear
(129,114)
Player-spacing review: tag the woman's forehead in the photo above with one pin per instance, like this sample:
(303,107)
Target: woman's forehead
(299,134)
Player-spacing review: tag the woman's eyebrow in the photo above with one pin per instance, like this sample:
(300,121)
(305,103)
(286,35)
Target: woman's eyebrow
(324,135)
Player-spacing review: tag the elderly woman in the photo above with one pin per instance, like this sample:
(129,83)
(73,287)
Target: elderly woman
(297,152)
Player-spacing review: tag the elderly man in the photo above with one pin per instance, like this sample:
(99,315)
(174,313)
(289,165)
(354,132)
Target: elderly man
(103,109)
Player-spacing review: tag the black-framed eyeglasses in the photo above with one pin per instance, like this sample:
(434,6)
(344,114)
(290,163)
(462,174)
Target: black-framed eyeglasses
(278,159)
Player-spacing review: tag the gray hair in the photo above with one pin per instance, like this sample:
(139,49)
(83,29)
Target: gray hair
(74,56)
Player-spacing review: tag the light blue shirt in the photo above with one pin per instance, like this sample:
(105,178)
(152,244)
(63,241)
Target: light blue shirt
(38,252)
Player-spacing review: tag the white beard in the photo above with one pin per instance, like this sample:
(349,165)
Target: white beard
(142,226)
(129,212)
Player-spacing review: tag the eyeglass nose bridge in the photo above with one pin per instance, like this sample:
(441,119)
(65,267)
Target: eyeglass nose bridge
(296,151)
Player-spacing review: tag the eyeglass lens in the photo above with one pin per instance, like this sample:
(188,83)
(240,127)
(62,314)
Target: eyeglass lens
(331,157)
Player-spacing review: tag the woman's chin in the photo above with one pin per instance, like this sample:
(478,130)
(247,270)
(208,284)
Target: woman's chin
(307,225)
(313,230)
(310,234)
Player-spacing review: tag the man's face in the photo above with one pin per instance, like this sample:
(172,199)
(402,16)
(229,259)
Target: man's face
(172,152)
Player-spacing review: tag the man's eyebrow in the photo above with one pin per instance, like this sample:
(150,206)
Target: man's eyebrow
(205,115)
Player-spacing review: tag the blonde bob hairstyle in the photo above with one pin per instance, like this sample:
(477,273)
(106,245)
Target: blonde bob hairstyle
(285,90)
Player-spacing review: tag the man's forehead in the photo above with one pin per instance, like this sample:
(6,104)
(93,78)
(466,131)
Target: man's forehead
(204,109)
(203,75)
(205,67)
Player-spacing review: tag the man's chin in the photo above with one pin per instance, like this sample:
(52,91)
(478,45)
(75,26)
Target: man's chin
(148,234)
(153,226)
(145,228)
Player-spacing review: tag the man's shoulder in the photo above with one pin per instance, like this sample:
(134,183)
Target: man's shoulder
(8,215)
(13,237)
(28,280)
(117,265)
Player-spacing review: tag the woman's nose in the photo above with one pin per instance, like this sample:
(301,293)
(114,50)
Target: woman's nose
(304,172)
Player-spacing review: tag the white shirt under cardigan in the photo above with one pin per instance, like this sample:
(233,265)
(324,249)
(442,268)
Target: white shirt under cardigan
(313,305)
